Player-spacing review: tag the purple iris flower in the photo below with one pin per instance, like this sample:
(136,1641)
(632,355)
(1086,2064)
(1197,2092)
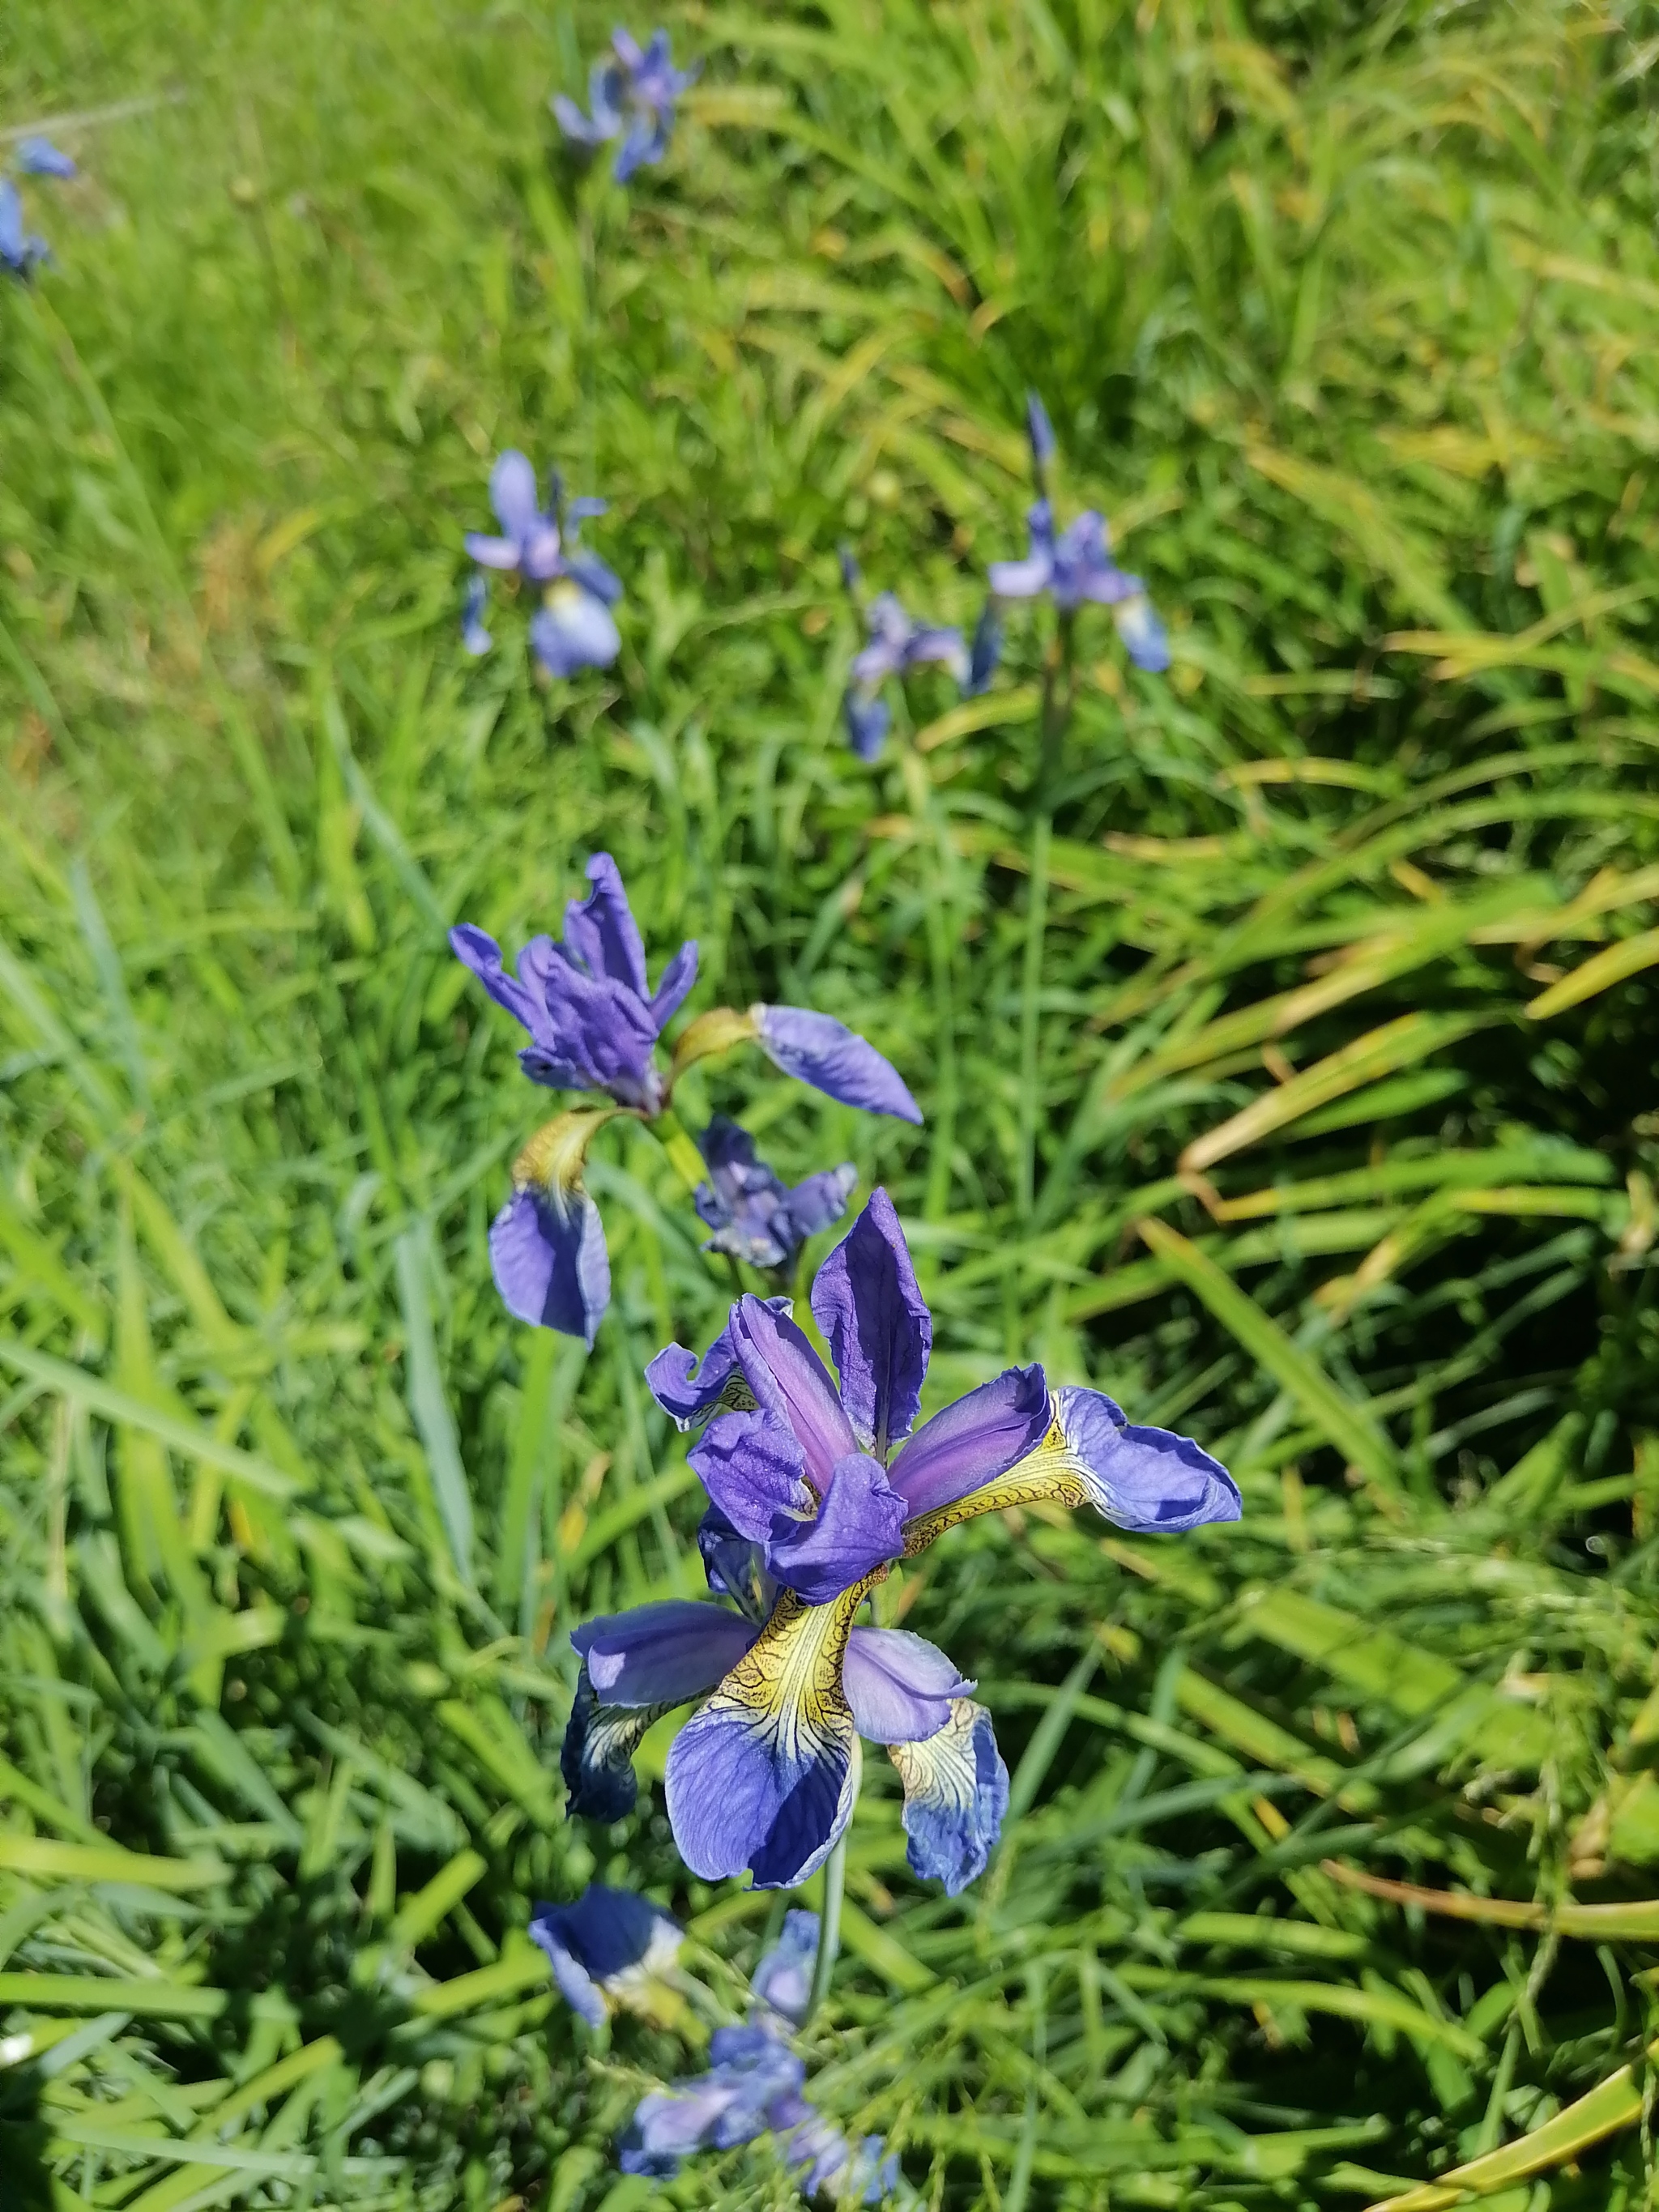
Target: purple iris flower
(754,1216)
(21,251)
(815,1485)
(1077,565)
(574,627)
(608,1950)
(631,98)
(782,1982)
(896,646)
(39,157)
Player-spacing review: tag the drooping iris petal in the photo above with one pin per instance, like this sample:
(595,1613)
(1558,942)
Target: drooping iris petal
(859,1525)
(753,1467)
(789,1379)
(974,1441)
(39,157)
(603,1947)
(819,1199)
(1144,638)
(817,1050)
(899,1686)
(652,1659)
(955,1792)
(548,1255)
(763,1775)
(688,1392)
(600,931)
(866,1301)
(868,721)
(782,1981)
(573,630)
(1146,1479)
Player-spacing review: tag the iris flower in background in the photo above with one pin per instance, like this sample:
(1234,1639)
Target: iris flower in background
(896,646)
(21,251)
(1075,566)
(574,627)
(594,1024)
(631,98)
(816,1486)
(754,1216)
(612,1949)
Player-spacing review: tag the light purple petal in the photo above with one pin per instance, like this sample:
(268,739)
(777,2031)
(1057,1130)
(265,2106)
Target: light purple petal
(491,552)
(589,571)
(12,242)
(944,646)
(1144,638)
(478,950)
(539,556)
(974,1441)
(1021,579)
(39,157)
(899,1686)
(955,1792)
(474,636)
(1149,1480)
(600,931)
(817,1050)
(576,126)
(661,1655)
(820,1200)
(783,1979)
(647,141)
(859,1522)
(547,1254)
(789,1380)
(1040,431)
(686,1401)
(678,978)
(868,721)
(512,493)
(573,631)
(754,1470)
(873,1314)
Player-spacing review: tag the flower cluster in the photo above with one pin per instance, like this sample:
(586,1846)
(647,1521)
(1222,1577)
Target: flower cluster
(631,98)
(573,627)
(612,1951)
(896,646)
(21,251)
(594,1024)
(816,1484)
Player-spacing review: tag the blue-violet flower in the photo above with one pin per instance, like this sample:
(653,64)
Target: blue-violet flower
(896,646)
(754,1216)
(631,98)
(574,627)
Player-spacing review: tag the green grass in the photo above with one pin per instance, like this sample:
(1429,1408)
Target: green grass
(1344,318)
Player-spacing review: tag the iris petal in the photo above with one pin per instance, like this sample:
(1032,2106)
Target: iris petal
(604,1946)
(600,930)
(789,1379)
(955,1792)
(651,1660)
(816,1049)
(719,1381)
(859,1525)
(899,1686)
(867,1304)
(763,1777)
(974,1441)
(754,1470)
(548,1256)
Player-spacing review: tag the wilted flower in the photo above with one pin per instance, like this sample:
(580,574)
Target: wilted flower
(815,1488)
(897,645)
(594,1023)
(610,1951)
(574,627)
(634,94)
(754,1216)
(1076,565)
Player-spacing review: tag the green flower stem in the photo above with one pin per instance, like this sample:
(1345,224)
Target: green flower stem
(1059,690)
(835,1888)
(670,1132)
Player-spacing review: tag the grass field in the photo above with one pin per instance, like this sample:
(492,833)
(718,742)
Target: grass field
(1289,1073)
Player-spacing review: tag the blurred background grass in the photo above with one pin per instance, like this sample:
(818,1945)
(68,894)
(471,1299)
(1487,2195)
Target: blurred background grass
(1299,1089)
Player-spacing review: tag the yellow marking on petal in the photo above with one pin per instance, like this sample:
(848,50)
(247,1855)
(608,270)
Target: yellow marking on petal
(1052,1472)
(941,1771)
(554,1155)
(789,1681)
(720,1029)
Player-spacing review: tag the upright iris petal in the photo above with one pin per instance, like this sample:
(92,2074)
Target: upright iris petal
(896,644)
(866,1301)
(21,252)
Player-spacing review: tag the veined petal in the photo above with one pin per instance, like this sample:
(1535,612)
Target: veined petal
(1150,1481)
(719,1381)
(899,1686)
(974,1441)
(866,1301)
(859,1525)
(663,1654)
(764,1776)
(816,1049)
(955,1792)
(603,1027)
(754,1469)
(789,1379)
(606,1948)
(597,1756)
(600,930)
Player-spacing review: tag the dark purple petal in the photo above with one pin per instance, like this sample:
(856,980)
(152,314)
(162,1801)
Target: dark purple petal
(478,950)
(817,1050)
(474,636)
(1149,1480)
(859,1522)
(819,1200)
(547,1254)
(39,157)
(754,1470)
(850,568)
(606,1029)
(677,978)
(783,1979)
(573,631)
(986,650)
(955,1792)
(736,1566)
(513,494)
(661,1655)
(600,932)
(606,1936)
(1144,638)
(790,1381)
(899,1686)
(647,141)
(689,1395)
(868,721)
(866,1301)
(597,1756)
(974,1441)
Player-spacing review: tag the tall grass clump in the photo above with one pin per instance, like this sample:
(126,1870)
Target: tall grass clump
(1285,1031)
